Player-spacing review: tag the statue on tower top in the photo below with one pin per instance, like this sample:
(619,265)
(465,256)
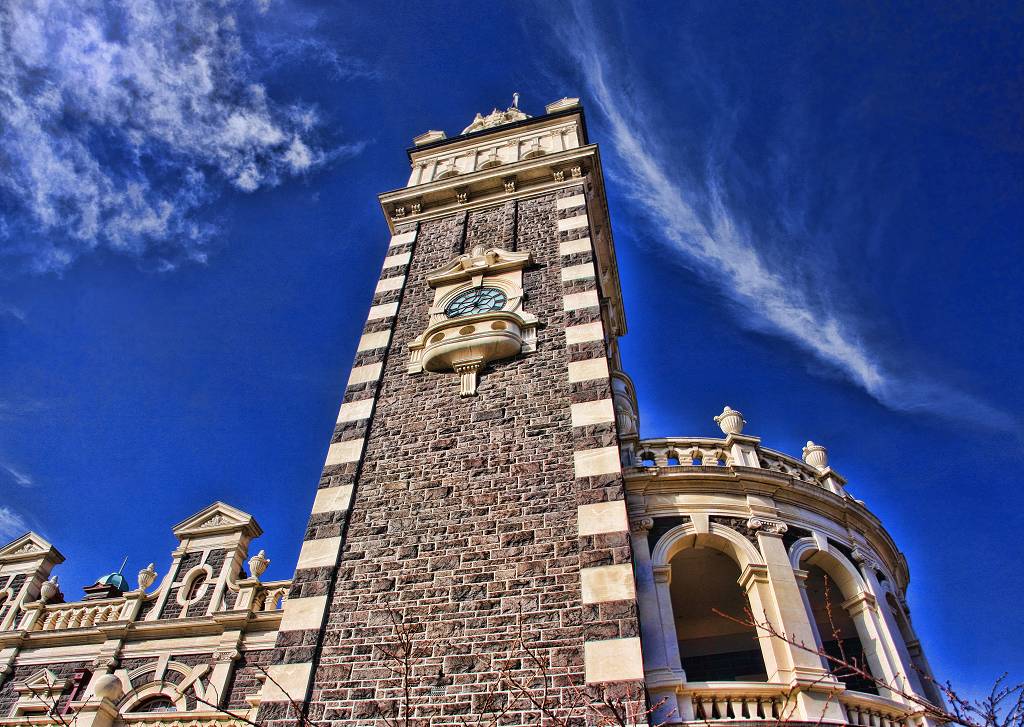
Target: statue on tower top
(497,118)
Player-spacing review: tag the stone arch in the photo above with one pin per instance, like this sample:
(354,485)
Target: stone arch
(839,568)
(176,690)
(856,615)
(131,701)
(702,569)
(718,536)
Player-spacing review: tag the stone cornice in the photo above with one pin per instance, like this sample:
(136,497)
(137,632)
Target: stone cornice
(485,187)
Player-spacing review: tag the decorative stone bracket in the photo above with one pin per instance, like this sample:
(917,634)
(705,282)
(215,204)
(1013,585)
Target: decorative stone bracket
(466,343)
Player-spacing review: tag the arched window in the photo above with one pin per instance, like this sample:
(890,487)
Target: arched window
(837,631)
(711,647)
(156,703)
(193,588)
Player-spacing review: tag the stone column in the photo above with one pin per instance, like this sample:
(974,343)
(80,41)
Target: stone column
(793,617)
(863,610)
(755,584)
(101,713)
(662,680)
(669,639)
(890,630)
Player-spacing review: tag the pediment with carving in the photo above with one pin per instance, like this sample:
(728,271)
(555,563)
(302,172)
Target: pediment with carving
(479,261)
(217,518)
(28,547)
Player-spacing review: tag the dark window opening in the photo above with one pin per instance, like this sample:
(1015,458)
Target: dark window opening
(712,647)
(194,586)
(159,703)
(837,631)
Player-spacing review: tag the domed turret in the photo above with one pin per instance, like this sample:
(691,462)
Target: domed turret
(111,585)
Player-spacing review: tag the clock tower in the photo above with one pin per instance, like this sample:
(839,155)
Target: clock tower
(469,531)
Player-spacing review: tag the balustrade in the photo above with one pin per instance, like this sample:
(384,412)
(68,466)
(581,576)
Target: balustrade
(78,615)
(269,597)
(274,595)
(867,710)
(738,702)
(757,701)
(695,452)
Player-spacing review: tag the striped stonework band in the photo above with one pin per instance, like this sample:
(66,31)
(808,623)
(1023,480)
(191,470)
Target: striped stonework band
(606,573)
(308,602)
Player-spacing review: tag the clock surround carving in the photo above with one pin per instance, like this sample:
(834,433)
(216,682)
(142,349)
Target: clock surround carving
(464,343)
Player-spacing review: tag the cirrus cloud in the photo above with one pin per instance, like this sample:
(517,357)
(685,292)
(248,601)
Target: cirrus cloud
(709,233)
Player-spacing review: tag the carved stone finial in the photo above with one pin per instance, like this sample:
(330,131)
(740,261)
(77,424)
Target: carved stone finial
(258,564)
(146,577)
(49,590)
(816,456)
(641,525)
(730,421)
(772,527)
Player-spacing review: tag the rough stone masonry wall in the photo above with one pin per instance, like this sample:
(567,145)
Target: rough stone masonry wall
(464,524)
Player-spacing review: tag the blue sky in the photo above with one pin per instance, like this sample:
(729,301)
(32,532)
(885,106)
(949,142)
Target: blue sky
(817,210)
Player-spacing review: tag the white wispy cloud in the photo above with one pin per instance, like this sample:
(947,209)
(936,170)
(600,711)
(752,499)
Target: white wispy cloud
(18,477)
(10,311)
(12,525)
(696,221)
(120,120)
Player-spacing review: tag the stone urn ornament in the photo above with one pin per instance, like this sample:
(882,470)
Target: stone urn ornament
(816,456)
(49,590)
(146,577)
(730,421)
(258,564)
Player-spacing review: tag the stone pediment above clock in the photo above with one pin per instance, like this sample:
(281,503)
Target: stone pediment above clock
(216,519)
(29,547)
(477,263)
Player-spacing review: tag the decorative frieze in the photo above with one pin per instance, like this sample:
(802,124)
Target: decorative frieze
(769,527)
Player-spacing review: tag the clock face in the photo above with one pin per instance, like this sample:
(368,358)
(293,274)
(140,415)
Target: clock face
(478,300)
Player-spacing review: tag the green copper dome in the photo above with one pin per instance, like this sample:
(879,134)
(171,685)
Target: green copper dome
(114,579)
